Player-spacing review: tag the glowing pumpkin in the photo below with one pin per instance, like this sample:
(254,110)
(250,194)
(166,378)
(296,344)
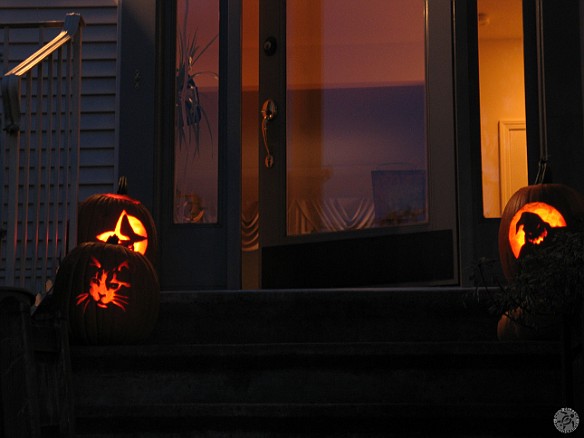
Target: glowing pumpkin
(531,216)
(108,293)
(104,215)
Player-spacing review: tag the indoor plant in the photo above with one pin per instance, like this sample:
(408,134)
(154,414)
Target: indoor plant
(190,111)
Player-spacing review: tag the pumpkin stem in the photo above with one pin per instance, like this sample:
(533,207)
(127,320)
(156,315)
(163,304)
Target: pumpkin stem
(123,185)
(113,239)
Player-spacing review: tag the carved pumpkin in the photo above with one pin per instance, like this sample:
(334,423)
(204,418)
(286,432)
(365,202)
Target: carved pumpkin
(103,215)
(109,294)
(526,326)
(531,216)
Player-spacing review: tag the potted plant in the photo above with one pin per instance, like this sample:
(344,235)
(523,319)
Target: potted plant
(546,294)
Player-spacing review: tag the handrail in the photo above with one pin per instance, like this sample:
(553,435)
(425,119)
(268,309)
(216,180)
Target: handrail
(10,91)
(72,24)
(41,98)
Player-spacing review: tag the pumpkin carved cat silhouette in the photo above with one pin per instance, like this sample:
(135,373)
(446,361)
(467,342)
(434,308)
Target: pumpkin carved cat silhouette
(104,287)
(556,205)
(536,231)
(108,293)
(532,225)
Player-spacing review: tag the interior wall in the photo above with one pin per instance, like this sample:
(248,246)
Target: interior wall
(502,95)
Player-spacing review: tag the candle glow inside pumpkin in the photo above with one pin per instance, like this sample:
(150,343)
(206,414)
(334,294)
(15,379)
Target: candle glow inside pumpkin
(546,213)
(104,287)
(130,231)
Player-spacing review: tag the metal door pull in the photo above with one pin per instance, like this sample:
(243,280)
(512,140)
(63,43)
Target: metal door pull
(269,112)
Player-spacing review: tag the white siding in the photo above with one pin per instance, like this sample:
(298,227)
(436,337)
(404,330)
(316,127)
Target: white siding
(99,118)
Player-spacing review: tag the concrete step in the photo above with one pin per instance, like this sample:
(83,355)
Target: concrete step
(425,423)
(342,363)
(324,315)
(281,385)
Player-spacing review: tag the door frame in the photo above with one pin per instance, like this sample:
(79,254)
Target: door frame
(191,256)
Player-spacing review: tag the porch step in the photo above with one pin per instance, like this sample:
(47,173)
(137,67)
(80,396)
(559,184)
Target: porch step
(319,363)
(279,386)
(324,315)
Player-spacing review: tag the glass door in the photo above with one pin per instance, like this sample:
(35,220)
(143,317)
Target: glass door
(200,152)
(356,153)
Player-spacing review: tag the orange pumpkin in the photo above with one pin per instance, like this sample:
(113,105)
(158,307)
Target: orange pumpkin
(104,215)
(531,215)
(108,293)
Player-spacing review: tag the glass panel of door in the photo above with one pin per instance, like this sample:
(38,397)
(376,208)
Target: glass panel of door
(363,100)
(356,136)
(196,174)
(355,115)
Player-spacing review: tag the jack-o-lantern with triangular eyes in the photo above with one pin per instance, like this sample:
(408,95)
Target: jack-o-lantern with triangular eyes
(531,217)
(103,215)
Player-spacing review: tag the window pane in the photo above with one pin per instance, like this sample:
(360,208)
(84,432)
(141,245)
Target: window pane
(356,146)
(196,118)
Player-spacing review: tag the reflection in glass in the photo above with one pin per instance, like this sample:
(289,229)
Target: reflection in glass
(249,128)
(356,144)
(196,118)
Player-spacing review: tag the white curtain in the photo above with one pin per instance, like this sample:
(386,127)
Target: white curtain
(306,216)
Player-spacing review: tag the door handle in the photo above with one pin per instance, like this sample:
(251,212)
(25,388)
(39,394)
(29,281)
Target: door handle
(269,112)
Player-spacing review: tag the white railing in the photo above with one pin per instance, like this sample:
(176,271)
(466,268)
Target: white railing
(39,159)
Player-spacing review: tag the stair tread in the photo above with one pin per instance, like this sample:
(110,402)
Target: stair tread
(538,348)
(350,420)
(289,373)
(324,315)
(484,410)
(399,292)
(342,357)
